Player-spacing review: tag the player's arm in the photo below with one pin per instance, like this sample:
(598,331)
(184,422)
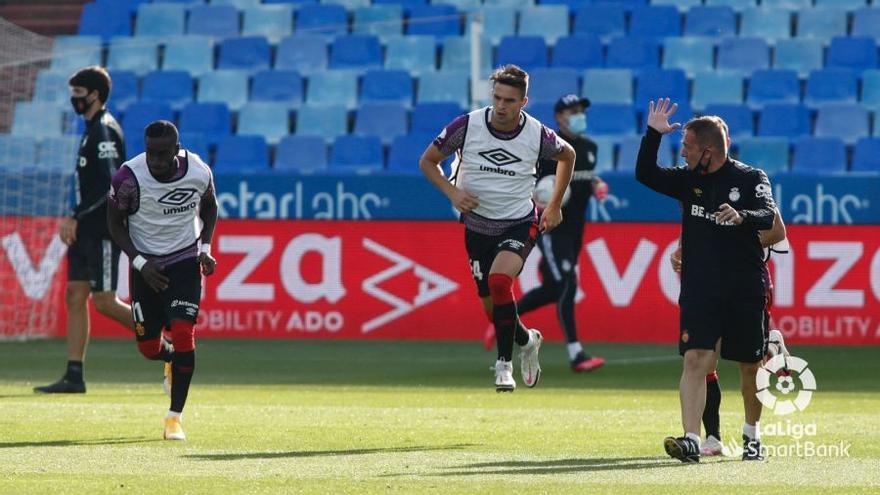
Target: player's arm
(776,234)
(208,214)
(552,214)
(446,143)
(668,181)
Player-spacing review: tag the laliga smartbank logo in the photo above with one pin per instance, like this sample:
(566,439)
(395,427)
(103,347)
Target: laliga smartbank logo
(781,397)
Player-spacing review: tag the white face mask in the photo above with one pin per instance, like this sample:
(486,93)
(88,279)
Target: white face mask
(577,123)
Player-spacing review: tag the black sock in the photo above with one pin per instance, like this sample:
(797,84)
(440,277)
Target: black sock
(181,375)
(504,316)
(521,337)
(565,309)
(711,416)
(74,371)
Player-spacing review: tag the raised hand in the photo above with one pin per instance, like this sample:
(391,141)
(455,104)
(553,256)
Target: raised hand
(658,116)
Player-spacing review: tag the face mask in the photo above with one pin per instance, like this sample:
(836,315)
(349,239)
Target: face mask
(80,104)
(577,123)
(701,166)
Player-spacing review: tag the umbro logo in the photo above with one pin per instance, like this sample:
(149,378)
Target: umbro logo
(177,197)
(500,157)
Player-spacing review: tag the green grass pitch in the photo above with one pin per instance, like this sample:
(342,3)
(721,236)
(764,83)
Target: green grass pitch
(402,417)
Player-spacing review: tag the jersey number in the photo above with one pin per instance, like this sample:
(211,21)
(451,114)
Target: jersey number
(137,312)
(475,268)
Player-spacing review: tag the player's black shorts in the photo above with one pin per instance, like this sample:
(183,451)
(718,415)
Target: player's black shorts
(180,301)
(482,249)
(559,256)
(739,323)
(95,260)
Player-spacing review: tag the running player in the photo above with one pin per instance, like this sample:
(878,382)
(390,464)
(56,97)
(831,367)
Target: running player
(497,150)
(162,214)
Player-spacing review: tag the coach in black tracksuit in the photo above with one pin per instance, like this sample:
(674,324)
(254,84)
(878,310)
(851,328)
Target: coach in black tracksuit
(724,205)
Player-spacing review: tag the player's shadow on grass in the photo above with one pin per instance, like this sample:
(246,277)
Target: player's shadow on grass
(73,443)
(321,453)
(562,466)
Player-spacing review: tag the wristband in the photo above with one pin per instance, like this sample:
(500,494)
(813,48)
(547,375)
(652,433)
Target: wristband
(138,262)
(205,249)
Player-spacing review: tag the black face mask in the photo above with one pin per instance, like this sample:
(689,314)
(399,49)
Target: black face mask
(80,104)
(701,167)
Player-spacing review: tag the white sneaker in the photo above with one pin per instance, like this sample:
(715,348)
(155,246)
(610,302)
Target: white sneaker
(528,355)
(504,376)
(711,446)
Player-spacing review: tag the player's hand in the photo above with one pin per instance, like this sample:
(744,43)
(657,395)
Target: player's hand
(67,230)
(727,213)
(551,217)
(600,189)
(658,116)
(462,200)
(208,264)
(675,260)
(154,277)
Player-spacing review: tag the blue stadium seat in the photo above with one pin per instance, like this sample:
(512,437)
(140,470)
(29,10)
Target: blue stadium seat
(348,4)
(356,51)
(242,154)
(717,22)
(743,54)
(356,154)
(304,154)
(717,87)
(385,120)
(445,86)
(331,20)
(273,22)
(629,153)
(194,143)
(174,87)
(611,119)
(295,3)
(333,88)
(125,89)
(870,96)
(608,86)
(767,153)
(136,118)
(224,86)
(406,4)
(379,20)
(692,55)
(548,21)
(456,55)
(549,84)
(769,23)
(528,52)
(326,121)
(37,119)
(819,155)
(853,52)
(220,21)
(581,51)
(847,121)
(498,23)
(787,120)
(281,87)
(246,53)
(434,20)
(405,151)
(266,119)
(416,54)
(106,21)
(18,151)
(543,111)
(304,54)
(841,4)
(57,152)
(239,4)
(656,21)
(429,118)
(866,22)
(606,21)
(210,119)
(160,20)
(194,54)
(51,86)
(737,5)
(510,4)
(830,86)
(774,86)
(605,154)
(465,6)
(739,119)
(793,4)
(866,155)
(137,55)
(822,23)
(801,55)
(131,5)
(654,83)
(387,86)
(70,53)
(633,53)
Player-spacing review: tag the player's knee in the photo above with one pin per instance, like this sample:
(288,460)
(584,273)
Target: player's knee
(500,288)
(695,361)
(76,296)
(105,302)
(150,349)
(183,336)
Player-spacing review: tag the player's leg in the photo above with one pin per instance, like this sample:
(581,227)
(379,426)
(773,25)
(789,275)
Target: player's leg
(104,292)
(543,294)
(712,445)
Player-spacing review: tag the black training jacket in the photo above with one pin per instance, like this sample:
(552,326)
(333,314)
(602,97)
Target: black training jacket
(101,153)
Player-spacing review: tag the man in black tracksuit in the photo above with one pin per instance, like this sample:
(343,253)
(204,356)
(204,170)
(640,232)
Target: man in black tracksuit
(724,205)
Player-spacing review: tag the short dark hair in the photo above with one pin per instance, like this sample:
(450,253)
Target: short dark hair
(511,75)
(93,78)
(708,130)
(160,129)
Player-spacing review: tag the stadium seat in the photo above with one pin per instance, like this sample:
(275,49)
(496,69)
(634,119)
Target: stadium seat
(604,154)
(546,85)
(194,143)
(174,87)
(160,19)
(136,118)
(378,20)
(739,119)
(219,21)
(608,86)
(224,86)
(37,119)
(242,154)
(416,54)
(743,54)
(266,119)
(835,85)
(250,53)
(273,22)
(870,96)
(327,121)
(769,23)
(333,88)
(801,55)
(793,4)
(406,4)
(295,3)
(194,54)
(282,87)
(434,20)
(580,51)
(445,86)
(819,155)
(605,21)
(304,54)
(821,23)
(465,6)
(498,22)
(784,120)
(841,4)
(629,153)
(356,51)
(717,87)
(510,4)
(653,83)
(655,21)
(386,120)
(866,155)
(543,111)
(430,118)
(846,121)
(682,5)
(105,21)
(348,4)
(547,21)
(852,52)
(767,153)
(387,86)
(304,154)
(405,151)
(691,55)
(773,86)
(125,89)
(633,53)
(51,86)
(866,22)
(330,20)
(356,154)
(137,55)
(528,52)
(58,152)
(737,5)
(456,55)
(70,53)
(611,119)
(19,151)
(717,22)
(209,119)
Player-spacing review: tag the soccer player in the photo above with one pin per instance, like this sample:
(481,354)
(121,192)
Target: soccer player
(162,214)
(497,149)
(92,257)
(725,203)
(561,248)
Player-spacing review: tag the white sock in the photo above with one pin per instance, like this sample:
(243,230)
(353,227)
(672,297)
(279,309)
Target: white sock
(693,436)
(751,431)
(573,349)
(172,414)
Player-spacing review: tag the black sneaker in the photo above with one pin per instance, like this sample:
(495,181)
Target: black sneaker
(752,450)
(62,386)
(682,448)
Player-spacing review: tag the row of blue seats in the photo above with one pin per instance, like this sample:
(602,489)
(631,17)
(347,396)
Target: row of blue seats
(49,152)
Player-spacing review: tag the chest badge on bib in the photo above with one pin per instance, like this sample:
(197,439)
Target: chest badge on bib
(734,194)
